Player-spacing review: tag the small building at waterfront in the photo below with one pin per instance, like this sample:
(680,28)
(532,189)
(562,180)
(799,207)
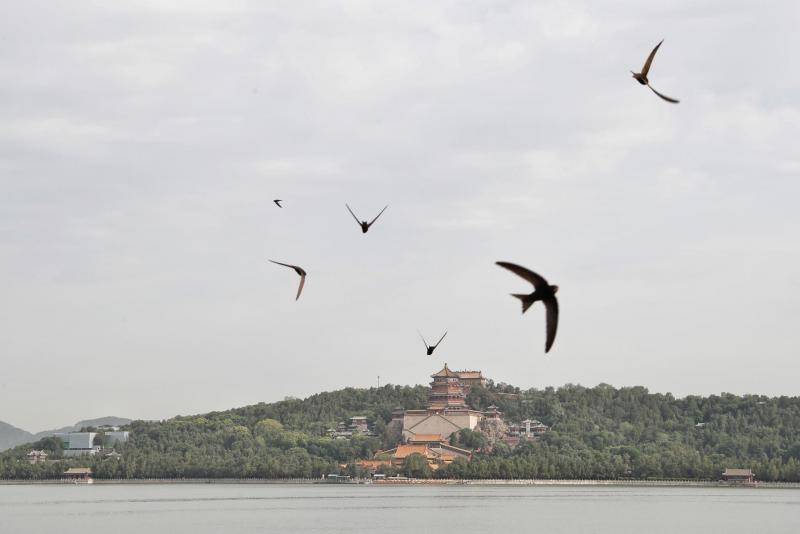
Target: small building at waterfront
(739,476)
(78,474)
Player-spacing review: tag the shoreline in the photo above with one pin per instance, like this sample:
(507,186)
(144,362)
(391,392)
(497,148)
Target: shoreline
(415,482)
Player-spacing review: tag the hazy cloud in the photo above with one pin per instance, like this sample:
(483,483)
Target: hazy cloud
(142,143)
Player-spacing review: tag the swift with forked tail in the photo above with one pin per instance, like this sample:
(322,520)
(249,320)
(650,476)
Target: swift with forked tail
(542,291)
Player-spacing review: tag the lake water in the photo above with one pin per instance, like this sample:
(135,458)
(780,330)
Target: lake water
(246,508)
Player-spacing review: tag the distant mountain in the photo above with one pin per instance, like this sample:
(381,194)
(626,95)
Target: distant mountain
(11,436)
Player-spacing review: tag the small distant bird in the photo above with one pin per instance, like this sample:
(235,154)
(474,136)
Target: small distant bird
(277,202)
(542,291)
(364,224)
(298,270)
(428,348)
(641,77)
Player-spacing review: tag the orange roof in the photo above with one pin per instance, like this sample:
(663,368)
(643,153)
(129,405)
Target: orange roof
(372,464)
(469,374)
(404,451)
(425,438)
(449,452)
(445,372)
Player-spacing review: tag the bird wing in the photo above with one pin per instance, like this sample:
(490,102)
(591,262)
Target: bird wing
(300,288)
(353,214)
(665,97)
(440,339)
(285,264)
(527,274)
(378,215)
(423,340)
(647,63)
(278,203)
(552,322)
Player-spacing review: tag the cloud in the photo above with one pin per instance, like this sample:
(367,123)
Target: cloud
(141,145)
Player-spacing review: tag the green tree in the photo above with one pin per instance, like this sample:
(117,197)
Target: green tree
(468,439)
(416,466)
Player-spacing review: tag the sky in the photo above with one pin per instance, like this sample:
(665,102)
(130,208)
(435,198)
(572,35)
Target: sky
(142,144)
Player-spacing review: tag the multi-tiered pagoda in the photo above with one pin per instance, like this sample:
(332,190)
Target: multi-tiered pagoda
(447,391)
(447,410)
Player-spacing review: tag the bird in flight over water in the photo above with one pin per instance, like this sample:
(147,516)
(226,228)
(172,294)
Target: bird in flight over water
(364,224)
(542,291)
(641,77)
(298,270)
(431,348)
(277,202)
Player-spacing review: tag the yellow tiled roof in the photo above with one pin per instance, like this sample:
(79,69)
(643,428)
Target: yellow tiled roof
(445,372)
(469,374)
(78,471)
(419,438)
(373,464)
(404,451)
(738,472)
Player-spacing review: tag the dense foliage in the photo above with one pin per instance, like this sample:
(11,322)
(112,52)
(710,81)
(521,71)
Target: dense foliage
(599,432)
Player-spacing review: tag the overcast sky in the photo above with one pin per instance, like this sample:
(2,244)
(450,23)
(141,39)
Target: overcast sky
(142,143)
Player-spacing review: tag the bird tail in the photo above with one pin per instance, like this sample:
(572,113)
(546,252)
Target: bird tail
(527,300)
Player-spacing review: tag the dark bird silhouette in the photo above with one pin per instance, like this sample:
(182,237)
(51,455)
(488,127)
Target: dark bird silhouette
(278,202)
(641,77)
(298,270)
(428,348)
(542,291)
(364,224)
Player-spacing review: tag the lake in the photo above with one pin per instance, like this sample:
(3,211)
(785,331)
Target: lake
(234,508)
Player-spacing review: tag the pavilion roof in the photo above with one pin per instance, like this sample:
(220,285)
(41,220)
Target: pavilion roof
(404,451)
(738,472)
(469,374)
(425,438)
(78,471)
(445,372)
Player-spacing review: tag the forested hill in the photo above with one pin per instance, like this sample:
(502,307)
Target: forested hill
(599,432)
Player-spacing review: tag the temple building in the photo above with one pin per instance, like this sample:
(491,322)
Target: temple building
(470,379)
(437,455)
(79,474)
(531,428)
(433,447)
(358,426)
(447,410)
(739,476)
(37,457)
